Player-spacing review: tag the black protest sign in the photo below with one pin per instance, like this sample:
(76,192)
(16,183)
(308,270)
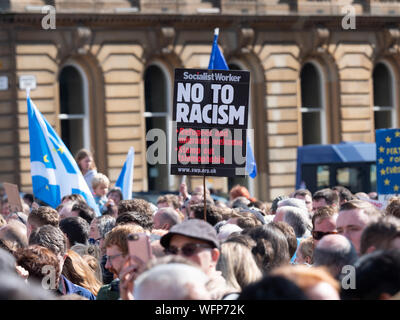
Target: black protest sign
(210,115)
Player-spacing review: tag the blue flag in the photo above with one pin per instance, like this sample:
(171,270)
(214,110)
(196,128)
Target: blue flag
(217,62)
(125,178)
(54,171)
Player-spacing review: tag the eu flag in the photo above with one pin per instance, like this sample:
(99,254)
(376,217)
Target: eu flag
(125,178)
(54,171)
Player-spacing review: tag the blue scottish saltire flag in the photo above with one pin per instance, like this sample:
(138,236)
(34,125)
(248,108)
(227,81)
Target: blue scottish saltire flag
(54,171)
(217,62)
(125,178)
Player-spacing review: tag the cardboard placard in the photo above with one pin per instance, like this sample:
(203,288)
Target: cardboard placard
(210,116)
(14,199)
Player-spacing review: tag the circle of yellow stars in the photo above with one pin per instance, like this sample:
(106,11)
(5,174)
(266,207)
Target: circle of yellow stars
(381,161)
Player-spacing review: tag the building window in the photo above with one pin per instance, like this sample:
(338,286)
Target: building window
(312,105)
(157,117)
(383,97)
(73,114)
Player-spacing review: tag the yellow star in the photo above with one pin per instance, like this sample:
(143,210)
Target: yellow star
(47,187)
(397,134)
(61,150)
(45,158)
(381,149)
(387,182)
(380,160)
(388,139)
(396,188)
(383,172)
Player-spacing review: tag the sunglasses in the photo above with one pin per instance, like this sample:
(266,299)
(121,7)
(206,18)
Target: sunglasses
(318,235)
(187,250)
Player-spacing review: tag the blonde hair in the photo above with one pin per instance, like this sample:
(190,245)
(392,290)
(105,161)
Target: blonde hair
(306,248)
(118,236)
(78,271)
(100,179)
(94,265)
(237,265)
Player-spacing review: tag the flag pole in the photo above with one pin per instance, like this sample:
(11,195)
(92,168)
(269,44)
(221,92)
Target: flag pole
(204,195)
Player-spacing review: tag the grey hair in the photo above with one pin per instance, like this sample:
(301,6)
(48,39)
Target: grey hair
(105,223)
(293,202)
(226,230)
(168,281)
(298,219)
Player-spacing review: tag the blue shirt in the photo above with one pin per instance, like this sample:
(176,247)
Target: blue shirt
(71,288)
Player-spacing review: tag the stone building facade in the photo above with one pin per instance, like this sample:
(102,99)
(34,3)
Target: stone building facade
(312,80)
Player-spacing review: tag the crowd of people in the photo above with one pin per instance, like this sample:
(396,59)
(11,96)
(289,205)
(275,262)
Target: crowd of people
(329,245)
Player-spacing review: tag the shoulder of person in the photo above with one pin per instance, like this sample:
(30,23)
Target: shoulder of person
(109,291)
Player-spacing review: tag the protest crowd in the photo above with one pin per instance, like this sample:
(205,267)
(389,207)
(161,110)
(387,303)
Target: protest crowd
(330,245)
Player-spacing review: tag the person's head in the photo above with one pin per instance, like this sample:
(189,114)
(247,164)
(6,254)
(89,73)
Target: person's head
(100,184)
(240,202)
(237,265)
(344,194)
(5,207)
(98,229)
(135,205)
(305,252)
(305,195)
(76,230)
(290,235)
(325,197)
(293,202)
(376,277)
(273,288)
(116,195)
(168,201)
(51,238)
(174,281)
(39,262)
(7,262)
(84,159)
(135,217)
(393,207)
(14,235)
(316,282)
(239,191)
(82,209)
(165,218)
(196,240)
(28,199)
(19,216)
(334,252)
(212,213)
(66,210)
(271,248)
(324,222)
(74,197)
(353,218)
(381,235)
(226,230)
(298,219)
(116,245)
(78,271)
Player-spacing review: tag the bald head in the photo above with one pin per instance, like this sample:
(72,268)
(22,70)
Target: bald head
(165,218)
(334,252)
(14,233)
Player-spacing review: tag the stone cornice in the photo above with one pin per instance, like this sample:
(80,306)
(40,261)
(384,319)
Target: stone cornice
(180,21)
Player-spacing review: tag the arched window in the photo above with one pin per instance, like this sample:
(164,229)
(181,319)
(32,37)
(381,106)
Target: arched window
(74,108)
(312,105)
(384,111)
(157,115)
